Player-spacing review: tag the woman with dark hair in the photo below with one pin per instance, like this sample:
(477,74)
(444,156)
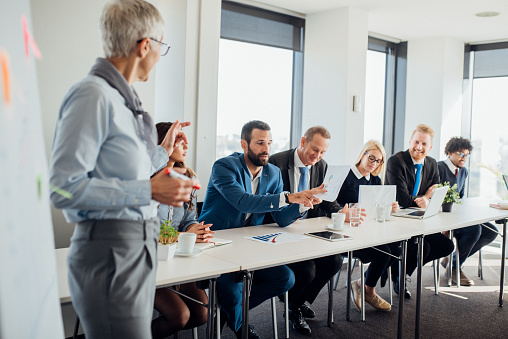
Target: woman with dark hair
(366,171)
(179,313)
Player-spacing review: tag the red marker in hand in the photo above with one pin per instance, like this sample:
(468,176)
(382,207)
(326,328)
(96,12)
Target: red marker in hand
(175,174)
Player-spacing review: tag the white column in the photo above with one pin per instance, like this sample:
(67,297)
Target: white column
(434,89)
(334,71)
(186,84)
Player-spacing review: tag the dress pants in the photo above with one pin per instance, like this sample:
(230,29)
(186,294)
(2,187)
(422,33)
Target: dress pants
(310,277)
(267,283)
(471,239)
(112,266)
(379,262)
(435,246)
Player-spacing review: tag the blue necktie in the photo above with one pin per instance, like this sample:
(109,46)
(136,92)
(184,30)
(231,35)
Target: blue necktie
(304,174)
(418,178)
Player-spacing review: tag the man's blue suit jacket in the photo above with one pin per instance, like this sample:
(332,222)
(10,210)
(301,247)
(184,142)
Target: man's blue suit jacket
(229,196)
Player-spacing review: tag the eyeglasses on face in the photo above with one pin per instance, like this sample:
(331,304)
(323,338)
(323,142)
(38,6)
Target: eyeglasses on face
(373,159)
(164,47)
(462,155)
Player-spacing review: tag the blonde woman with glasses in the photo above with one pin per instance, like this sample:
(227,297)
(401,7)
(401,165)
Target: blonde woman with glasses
(368,170)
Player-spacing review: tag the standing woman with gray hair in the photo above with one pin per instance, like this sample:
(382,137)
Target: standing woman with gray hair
(104,152)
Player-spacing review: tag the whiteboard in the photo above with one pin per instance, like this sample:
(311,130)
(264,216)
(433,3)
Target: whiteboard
(29,302)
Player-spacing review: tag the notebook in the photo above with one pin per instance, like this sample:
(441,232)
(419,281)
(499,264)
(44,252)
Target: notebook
(214,243)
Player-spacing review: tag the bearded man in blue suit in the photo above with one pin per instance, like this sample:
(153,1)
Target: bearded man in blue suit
(243,187)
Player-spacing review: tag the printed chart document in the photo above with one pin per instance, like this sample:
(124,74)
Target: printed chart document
(277,238)
(334,178)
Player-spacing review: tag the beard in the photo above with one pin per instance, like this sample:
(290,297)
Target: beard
(417,155)
(255,158)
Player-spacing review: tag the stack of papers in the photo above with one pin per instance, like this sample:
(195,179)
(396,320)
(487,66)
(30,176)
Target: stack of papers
(503,205)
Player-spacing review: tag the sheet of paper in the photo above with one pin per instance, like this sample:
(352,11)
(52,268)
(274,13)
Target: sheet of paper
(277,238)
(334,178)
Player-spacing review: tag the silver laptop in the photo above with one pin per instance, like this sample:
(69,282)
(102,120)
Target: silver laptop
(432,209)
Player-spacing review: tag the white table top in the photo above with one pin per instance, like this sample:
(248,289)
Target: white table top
(252,255)
(472,211)
(174,271)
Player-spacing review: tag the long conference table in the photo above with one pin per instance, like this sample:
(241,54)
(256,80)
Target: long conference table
(247,256)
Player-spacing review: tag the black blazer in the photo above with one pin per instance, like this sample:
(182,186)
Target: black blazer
(400,171)
(286,162)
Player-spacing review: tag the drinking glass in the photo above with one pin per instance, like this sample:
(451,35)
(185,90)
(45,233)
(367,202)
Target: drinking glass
(354,214)
(381,211)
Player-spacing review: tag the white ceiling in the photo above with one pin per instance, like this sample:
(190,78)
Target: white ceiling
(418,19)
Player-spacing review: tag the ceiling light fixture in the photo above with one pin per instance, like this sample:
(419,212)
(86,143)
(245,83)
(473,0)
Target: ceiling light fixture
(487,14)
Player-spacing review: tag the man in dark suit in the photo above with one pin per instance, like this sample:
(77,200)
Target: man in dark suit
(312,275)
(243,187)
(416,177)
(472,238)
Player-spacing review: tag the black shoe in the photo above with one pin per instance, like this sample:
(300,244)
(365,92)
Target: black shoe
(307,312)
(251,333)
(396,288)
(299,324)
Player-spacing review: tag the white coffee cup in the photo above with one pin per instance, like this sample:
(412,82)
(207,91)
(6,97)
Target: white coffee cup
(186,242)
(338,220)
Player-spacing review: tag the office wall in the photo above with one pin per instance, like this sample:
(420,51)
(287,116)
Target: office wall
(334,70)
(434,89)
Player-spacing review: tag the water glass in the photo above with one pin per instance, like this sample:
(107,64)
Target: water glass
(354,214)
(381,211)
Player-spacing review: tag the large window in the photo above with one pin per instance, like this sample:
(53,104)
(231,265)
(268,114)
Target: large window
(375,95)
(260,67)
(489,120)
(385,93)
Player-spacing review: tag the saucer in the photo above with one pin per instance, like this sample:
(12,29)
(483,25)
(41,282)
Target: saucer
(330,227)
(196,251)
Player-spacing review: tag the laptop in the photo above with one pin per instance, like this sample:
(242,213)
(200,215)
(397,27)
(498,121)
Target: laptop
(432,209)
(370,194)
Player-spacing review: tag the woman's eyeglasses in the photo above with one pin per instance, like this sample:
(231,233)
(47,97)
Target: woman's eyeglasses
(164,47)
(373,159)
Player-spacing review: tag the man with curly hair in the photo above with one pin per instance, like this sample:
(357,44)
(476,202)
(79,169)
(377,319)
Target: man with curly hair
(472,238)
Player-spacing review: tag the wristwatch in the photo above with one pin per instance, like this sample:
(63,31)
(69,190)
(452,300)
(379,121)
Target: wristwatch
(286,196)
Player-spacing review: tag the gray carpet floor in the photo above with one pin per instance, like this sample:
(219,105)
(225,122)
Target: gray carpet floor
(468,312)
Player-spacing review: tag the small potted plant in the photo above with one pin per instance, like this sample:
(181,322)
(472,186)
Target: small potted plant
(168,237)
(452,196)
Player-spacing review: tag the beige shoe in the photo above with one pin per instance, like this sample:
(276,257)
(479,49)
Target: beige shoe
(378,303)
(464,280)
(356,294)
